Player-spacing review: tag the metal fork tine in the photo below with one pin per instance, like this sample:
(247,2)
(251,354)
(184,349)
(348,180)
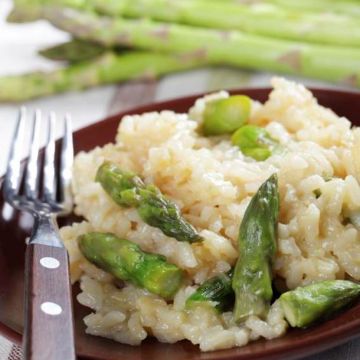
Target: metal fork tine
(49,185)
(32,177)
(67,154)
(13,172)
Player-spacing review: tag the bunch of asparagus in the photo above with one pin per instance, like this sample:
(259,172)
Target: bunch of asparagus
(135,38)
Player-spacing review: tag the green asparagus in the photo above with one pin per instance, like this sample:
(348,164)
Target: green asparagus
(216,292)
(305,305)
(352,217)
(267,20)
(126,261)
(73,51)
(255,142)
(158,211)
(128,190)
(257,246)
(24,11)
(105,69)
(224,116)
(340,64)
(346,7)
(349,8)
(271,21)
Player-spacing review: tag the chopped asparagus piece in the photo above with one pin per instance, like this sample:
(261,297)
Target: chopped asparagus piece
(126,261)
(354,218)
(306,305)
(158,211)
(128,190)
(255,142)
(257,245)
(224,116)
(317,193)
(216,291)
(122,186)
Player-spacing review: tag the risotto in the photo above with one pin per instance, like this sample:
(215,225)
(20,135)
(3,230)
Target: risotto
(212,183)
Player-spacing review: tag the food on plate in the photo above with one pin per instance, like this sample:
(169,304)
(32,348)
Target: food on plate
(256,246)
(224,116)
(216,291)
(285,217)
(255,141)
(127,189)
(304,305)
(125,260)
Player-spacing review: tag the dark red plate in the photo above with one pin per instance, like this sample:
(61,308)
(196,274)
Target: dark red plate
(297,343)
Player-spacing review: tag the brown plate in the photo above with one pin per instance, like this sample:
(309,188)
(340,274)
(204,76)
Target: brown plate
(297,343)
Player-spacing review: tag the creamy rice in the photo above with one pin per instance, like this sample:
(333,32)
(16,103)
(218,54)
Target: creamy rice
(213,182)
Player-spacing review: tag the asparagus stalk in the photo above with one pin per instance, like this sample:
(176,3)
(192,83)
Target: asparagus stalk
(216,292)
(305,305)
(268,20)
(339,64)
(158,211)
(23,11)
(257,245)
(105,69)
(126,261)
(73,51)
(224,116)
(346,7)
(255,142)
(128,190)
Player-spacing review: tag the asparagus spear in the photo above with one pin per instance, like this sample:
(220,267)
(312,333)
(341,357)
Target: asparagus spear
(73,51)
(126,261)
(255,142)
(105,69)
(128,190)
(272,21)
(257,245)
(340,64)
(346,7)
(305,305)
(224,116)
(216,291)
(158,211)
(24,11)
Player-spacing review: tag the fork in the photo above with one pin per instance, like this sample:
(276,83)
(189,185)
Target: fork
(48,325)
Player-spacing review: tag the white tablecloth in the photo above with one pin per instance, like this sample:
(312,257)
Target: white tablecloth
(18,46)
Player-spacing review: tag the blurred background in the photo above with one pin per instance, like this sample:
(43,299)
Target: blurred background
(94,58)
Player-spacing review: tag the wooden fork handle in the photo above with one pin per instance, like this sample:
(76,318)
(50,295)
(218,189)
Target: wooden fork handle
(49,331)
